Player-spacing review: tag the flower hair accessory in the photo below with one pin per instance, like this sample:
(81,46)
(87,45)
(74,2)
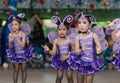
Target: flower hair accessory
(57,20)
(89,17)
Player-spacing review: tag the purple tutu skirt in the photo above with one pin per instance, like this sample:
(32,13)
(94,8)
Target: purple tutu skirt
(84,67)
(116,62)
(20,58)
(59,64)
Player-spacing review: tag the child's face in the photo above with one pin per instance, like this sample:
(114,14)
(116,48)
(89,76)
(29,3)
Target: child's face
(62,31)
(83,25)
(15,25)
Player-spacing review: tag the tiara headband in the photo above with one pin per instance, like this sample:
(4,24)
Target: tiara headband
(89,17)
(19,17)
(57,20)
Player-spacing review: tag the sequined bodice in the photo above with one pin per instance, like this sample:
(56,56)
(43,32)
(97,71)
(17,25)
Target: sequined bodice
(88,53)
(18,48)
(63,49)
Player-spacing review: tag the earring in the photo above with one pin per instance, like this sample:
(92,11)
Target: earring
(89,30)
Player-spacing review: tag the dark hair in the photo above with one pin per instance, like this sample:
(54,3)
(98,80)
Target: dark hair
(34,14)
(65,24)
(94,25)
(18,18)
(90,18)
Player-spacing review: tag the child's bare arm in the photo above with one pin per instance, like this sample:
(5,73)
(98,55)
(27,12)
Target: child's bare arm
(98,44)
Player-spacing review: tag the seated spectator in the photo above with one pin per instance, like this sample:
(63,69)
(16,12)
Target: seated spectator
(36,61)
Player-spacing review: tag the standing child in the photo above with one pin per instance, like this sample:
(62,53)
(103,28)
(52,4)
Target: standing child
(108,55)
(114,30)
(61,48)
(87,45)
(19,52)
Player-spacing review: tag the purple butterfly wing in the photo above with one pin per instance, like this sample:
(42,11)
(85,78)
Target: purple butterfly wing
(71,30)
(116,24)
(26,29)
(99,31)
(52,36)
(116,46)
(101,35)
(72,36)
(104,44)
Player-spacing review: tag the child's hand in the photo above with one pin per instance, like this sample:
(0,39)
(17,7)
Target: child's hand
(64,57)
(15,36)
(46,48)
(98,50)
(36,17)
(83,47)
(11,38)
(111,25)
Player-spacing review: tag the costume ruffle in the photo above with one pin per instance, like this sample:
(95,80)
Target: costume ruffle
(83,67)
(20,58)
(116,62)
(59,64)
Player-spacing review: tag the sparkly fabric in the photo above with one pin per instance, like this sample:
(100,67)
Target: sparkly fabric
(17,54)
(56,61)
(87,63)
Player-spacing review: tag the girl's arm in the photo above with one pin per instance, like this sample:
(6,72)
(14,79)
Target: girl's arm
(115,36)
(10,40)
(38,19)
(22,43)
(98,44)
(77,46)
(54,49)
(72,46)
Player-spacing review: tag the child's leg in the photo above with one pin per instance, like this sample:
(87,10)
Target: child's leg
(89,78)
(80,78)
(69,75)
(110,66)
(24,72)
(15,73)
(11,65)
(59,76)
(31,63)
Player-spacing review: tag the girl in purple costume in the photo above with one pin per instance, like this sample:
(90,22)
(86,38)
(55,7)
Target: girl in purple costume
(87,45)
(114,30)
(61,49)
(18,53)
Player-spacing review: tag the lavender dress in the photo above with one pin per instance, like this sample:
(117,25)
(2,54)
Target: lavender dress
(18,54)
(87,63)
(56,61)
(116,62)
